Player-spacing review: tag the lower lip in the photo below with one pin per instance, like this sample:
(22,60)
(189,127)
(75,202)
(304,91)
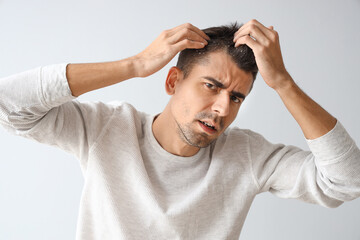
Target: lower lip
(207,129)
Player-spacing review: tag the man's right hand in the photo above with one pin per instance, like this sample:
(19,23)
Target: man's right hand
(85,77)
(166,46)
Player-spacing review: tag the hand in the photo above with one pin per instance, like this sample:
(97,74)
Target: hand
(166,46)
(266,48)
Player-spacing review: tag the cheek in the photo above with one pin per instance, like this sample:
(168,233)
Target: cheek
(231,117)
(188,102)
(182,105)
(185,109)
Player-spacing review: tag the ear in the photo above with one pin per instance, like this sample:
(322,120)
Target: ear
(172,80)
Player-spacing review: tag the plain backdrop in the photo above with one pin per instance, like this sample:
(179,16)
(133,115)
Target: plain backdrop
(40,185)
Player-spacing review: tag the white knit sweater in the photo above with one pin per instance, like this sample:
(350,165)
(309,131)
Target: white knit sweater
(134,189)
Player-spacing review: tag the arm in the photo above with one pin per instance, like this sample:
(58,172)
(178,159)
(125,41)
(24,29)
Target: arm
(90,76)
(327,175)
(85,77)
(312,118)
(332,168)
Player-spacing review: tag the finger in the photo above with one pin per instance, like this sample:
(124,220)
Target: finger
(200,32)
(197,30)
(253,31)
(186,33)
(266,31)
(250,29)
(186,43)
(191,27)
(248,41)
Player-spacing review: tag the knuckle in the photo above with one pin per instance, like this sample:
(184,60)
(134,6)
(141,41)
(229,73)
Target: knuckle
(276,34)
(262,49)
(271,35)
(252,26)
(267,43)
(187,41)
(185,32)
(274,37)
(165,33)
(187,25)
(253,21)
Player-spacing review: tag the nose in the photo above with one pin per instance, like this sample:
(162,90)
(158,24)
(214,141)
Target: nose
(221,104)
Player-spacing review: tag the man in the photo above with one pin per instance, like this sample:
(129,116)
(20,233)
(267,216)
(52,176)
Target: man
(182,174)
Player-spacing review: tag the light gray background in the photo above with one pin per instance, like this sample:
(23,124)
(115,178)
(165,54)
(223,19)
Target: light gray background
(40,186)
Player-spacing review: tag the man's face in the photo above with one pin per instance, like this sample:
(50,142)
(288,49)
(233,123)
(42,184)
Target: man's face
(211,95)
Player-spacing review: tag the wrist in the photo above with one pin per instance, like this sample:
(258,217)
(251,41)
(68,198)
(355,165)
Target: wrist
(286,83)
(133,66)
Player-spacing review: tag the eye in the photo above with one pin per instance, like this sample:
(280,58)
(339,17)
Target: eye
(235,99)
(210,86)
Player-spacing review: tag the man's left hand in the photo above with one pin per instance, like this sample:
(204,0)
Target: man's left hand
(266,47)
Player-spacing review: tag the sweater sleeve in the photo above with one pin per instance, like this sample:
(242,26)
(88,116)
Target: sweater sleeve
(328,174)
(38,104)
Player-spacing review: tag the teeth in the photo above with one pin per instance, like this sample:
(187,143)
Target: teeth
(208,125)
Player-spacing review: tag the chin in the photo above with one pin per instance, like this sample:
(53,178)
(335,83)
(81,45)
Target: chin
(192,137)
(200,140)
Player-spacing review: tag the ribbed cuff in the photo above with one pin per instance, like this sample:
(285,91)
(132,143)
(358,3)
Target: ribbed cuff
(332,145)
(55,88)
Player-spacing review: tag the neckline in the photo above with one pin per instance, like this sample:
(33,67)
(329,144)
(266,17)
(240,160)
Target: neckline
(160,150)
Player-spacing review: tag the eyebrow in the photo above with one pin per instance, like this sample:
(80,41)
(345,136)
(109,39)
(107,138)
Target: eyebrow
(222,86)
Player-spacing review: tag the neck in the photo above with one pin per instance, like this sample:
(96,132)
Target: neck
(165,131)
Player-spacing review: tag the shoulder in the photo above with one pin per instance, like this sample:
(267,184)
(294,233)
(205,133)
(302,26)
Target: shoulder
(104,113)
(127,113)
(240,135)
(117,119)
(238,138)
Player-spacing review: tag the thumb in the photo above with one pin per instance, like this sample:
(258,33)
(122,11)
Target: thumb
(271,27)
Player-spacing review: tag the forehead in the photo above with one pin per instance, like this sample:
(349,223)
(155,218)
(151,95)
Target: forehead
(219,65)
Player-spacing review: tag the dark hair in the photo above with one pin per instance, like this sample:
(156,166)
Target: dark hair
(221,38)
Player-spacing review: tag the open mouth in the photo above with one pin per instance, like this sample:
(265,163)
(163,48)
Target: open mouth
(207,127)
